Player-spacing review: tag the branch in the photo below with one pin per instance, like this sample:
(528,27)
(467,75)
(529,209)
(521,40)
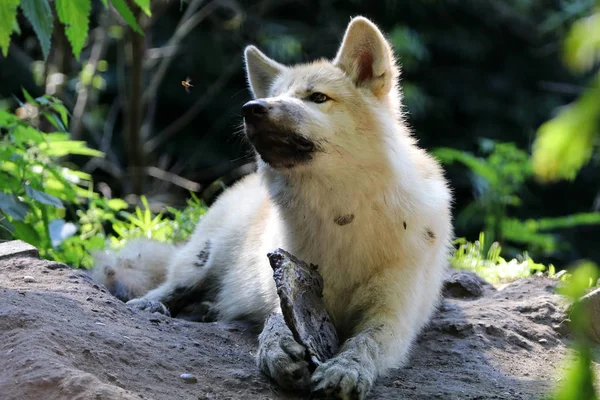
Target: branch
(133,117)
(97,53)
(173,178)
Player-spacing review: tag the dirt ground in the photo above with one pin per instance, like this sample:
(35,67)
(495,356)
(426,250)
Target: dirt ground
(64,337)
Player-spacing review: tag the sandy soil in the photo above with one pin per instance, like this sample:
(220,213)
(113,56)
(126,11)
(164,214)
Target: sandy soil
(64,337)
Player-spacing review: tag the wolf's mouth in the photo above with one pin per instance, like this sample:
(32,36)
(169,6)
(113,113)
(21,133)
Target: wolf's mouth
(281,149)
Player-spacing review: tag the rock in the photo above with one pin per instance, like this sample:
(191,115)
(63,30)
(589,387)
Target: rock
(590,304)
(29,279)
(463,284)
(17,248)
(188,378)
(562,328)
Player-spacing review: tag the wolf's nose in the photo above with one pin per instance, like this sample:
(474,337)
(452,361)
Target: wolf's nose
(254,110)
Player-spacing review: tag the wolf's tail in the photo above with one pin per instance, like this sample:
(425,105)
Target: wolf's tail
(132,271)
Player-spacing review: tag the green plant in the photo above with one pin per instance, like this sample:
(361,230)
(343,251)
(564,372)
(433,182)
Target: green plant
(566,143)
(73,14)
(144,223)
(37,192)
(108,223)
(578,382)
(471,256)
(34,187)
(185,220)
(498,180)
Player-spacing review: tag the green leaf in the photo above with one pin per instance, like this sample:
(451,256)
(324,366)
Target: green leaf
(117,204)
(63,148)
(582,44)
(42,197)
(13,207)
(477,165)
(565,143)
(7,119)
(16,28)
(75,15)
(38,12)
(145,6)
(26,233)
(55,121)
(57,137)
(9,183)
(105,3)
(585,273)
(6,226)
(63,112)
(127,15)
(29,98)
(8,16)
(27,134)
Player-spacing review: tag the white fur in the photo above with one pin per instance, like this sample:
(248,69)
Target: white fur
(129,272)
(382,271)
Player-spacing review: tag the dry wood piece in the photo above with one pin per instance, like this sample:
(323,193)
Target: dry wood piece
(300,290)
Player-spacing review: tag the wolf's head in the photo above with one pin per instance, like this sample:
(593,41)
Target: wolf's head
(341,108)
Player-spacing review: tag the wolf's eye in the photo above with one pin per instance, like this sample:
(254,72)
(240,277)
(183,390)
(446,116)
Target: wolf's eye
(318,97)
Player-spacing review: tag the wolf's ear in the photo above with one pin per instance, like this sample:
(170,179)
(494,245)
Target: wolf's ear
(367,57)
(261,71)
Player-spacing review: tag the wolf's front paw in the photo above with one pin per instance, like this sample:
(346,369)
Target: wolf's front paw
(150,306)
(342,378)
(283,360)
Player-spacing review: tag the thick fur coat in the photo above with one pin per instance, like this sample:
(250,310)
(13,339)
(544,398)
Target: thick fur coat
(341,184)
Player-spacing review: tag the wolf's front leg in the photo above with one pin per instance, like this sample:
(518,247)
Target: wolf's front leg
(280,357)
(154,300)
(185,280)
(351,373)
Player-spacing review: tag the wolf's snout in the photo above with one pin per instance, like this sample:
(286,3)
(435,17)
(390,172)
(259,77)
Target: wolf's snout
(254,110)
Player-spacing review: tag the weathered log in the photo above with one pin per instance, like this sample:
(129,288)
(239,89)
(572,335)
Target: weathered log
(300,290)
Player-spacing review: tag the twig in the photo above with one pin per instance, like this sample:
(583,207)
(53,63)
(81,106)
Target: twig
(98,50)
(153,56)
(133,117)
(105,165)
(174,179)
(109,126)
(561,88)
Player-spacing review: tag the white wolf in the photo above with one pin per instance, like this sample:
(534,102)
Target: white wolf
(341,184)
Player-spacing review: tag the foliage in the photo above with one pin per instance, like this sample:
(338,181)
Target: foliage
(578,383)
(37,192)
(108,223)
(74,14)
(143,223)
(490,265)
(499,181)
(34,186)
(566,143)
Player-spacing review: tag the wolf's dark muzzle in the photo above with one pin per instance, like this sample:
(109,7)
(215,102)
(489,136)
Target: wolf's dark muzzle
(276,146)
(254,111)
